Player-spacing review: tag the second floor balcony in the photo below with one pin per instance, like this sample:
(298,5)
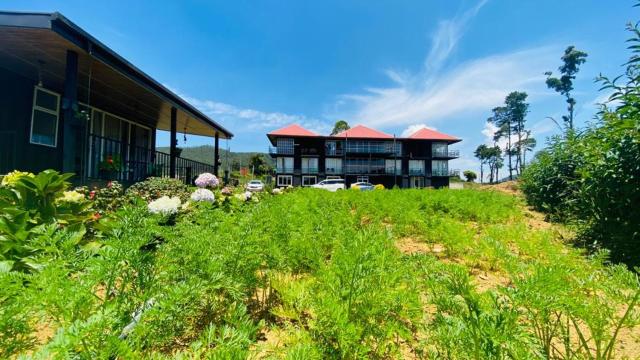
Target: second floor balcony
(274,150)
(309,170)
(445,172)
(446,154)
(416,172)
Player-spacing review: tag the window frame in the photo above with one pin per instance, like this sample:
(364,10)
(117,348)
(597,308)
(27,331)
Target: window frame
(279,184)
(315,180)
(35,107)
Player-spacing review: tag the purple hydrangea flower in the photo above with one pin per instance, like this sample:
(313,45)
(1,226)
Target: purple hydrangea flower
(207,180)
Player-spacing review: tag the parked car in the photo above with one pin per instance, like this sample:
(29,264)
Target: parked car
(362,185)
(330,184)
(255,185)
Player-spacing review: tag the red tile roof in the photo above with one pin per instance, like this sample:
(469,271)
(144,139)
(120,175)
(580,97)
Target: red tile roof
(360,131)
(293,130)
(428,134)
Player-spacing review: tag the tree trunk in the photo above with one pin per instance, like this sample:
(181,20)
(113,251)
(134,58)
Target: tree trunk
(481,172)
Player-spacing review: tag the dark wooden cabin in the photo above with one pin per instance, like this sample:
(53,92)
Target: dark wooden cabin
(68,102)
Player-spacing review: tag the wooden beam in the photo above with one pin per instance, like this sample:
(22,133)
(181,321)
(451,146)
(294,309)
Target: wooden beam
(71,127)
(216,155)
(173,142)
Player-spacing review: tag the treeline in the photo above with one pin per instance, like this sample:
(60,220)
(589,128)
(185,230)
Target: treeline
(591,177)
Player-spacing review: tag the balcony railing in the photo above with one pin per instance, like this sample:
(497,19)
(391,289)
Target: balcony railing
(284,170)
(280,150)
(364,169)
(416,172)
(391,171)
(309,170)
(445,172)
(333,170)
(115,160)
(333,152)
(449,154)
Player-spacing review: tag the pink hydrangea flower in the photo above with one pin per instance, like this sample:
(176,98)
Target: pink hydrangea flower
(207,180)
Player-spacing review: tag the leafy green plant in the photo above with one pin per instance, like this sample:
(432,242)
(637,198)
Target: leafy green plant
(156,187)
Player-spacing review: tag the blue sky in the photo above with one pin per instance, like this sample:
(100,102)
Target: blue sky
(258,65)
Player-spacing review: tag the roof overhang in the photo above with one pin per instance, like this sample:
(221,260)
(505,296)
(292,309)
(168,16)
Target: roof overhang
(35,45)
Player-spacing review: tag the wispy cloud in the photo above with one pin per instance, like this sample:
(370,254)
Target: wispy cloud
(247,119)
(432,95)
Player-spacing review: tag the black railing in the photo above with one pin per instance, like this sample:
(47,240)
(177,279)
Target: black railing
(115,160)
(449,154)
(445,172)
(280,150)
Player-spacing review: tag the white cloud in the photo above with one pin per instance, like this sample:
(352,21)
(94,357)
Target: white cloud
(431,95)
(244,119)
(413,128)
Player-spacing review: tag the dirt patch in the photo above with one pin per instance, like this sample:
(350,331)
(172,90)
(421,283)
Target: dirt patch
(411,246)
(270,340)
(507,187)
(486,280)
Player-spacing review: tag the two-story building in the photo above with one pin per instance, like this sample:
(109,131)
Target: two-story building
(304,158)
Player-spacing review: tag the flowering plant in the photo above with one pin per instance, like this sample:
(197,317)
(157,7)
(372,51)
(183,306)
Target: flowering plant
(11,178)
(276,191)
(165,206)
(207,180)
(72,197)
(111,164)
(203,195)
(226,191)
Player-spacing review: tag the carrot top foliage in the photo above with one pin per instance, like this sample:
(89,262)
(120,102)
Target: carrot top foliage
(315,275)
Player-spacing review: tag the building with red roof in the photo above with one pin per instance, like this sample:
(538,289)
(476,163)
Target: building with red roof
(362,154)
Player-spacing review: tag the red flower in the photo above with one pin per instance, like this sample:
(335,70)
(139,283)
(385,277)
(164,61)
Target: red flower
(92,195)
(110,161)
(109,183)
(97,216)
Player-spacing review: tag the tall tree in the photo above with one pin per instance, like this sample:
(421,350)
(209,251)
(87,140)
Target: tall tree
(495,161)
(481,154)
(526,144)
(572,59)
(339,127)
(502,120)
(517,109)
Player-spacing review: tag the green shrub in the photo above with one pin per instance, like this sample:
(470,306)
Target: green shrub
(156,187)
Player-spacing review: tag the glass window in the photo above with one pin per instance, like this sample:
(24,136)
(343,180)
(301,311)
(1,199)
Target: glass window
(416,167)
(310,165)
(439,167)
(285,180)
(96,119)
(44,119)
(439,149)
(308,180)
(388,165)
(333,166)
(112,127)
(284,164)
(285,146)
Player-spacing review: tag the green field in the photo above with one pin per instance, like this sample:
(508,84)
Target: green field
(437,274)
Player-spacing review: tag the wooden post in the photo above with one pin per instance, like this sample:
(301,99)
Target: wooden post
(216,155)
(70,125)
(174,142)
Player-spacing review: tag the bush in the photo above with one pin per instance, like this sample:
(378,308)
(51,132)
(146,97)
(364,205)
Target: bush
(155,187)
(592,178)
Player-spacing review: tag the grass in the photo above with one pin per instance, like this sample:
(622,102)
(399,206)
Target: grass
(447,274)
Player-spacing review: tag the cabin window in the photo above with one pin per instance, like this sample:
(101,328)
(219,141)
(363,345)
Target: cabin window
(44,119)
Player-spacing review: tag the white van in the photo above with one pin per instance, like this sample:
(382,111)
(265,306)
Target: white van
(330,184)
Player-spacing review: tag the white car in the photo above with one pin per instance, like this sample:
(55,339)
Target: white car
(330,184)
(255,185)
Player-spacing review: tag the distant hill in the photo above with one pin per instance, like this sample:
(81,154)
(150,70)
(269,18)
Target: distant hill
(204,154)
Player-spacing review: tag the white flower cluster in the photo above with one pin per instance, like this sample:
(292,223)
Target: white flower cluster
(244,196)
(165,206)
(207,180)
(203,195)
(276,191)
